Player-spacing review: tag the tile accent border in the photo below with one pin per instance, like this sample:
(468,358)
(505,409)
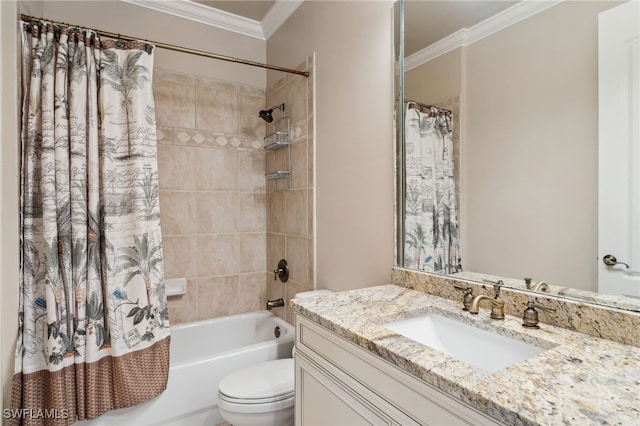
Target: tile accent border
(595,320)
(196,134)
(203,138)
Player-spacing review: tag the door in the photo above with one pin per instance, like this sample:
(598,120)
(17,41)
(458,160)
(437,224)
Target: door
(619,150)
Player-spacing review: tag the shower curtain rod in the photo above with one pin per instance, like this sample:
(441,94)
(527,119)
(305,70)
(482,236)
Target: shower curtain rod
(409,101)
(175,48)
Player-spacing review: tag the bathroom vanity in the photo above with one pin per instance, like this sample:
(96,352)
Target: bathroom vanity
(353,368)
(341,383)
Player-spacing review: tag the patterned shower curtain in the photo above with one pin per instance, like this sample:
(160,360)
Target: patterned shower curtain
(93,326)
(431,224)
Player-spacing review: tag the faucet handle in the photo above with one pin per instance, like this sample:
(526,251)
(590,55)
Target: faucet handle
(527,282)
(496,286)
(544,308)
(282,271)
(530,315)
(468,295)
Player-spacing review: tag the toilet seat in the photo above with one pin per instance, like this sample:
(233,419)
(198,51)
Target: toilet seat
(251,408)
(263,387)
(256,400)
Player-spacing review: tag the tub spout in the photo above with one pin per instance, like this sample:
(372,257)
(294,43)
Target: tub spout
(274,303)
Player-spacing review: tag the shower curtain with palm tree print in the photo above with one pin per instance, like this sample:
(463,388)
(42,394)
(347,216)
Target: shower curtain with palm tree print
(93,324)
(431,224)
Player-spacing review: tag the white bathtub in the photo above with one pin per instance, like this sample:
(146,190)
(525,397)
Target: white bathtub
(202,353)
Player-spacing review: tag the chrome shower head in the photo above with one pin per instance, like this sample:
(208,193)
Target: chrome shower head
(265,114)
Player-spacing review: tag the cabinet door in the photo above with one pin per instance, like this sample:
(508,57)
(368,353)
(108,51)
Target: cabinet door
(322,400)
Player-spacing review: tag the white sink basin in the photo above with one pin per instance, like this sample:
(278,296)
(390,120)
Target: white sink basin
(489,351)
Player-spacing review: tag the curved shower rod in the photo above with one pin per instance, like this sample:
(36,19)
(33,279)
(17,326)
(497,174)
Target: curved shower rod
(175,48)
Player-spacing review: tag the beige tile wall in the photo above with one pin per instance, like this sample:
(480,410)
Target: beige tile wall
(290,233)
(212,194)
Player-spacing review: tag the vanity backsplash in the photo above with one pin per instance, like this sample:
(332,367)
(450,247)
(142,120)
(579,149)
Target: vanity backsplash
(596,320)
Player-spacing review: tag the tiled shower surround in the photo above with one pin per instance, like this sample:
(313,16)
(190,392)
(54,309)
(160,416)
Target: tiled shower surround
(223,226)
(212,194)
(290,231)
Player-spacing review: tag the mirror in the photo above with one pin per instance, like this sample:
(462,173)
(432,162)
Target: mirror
(523,92)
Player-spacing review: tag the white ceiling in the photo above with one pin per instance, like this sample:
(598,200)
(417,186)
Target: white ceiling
(426,21)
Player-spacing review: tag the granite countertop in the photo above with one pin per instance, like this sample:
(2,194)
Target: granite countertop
(579,379)
(611,300)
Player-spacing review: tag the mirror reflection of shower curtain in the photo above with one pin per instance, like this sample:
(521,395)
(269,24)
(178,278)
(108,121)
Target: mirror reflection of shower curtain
(431,221)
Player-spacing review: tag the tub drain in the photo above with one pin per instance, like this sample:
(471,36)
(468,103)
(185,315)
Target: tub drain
(276,331)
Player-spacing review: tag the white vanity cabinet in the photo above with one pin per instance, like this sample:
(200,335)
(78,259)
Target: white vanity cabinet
(339,383)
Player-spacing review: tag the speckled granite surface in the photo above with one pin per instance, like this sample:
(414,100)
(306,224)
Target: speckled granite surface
(578,380)
(594,319)
(609,300)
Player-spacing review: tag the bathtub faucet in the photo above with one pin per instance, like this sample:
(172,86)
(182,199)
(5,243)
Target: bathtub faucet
(274,303)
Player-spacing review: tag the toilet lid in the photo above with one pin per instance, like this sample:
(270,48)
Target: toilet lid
(267,380)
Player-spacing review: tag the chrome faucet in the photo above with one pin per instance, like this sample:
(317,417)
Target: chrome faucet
(275,303)
(539,286)
(497,305)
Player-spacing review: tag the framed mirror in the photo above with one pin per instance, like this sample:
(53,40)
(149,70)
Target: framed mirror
(509,94)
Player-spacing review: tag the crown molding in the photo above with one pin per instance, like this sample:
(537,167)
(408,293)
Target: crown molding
(440,47)
(516,13)
(466,36)
(278,15)
(205,15)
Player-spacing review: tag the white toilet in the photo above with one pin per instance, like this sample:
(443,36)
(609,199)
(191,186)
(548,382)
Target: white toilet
(261,394)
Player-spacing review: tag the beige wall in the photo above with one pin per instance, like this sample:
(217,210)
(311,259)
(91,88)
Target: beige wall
(8,191)
(354,136)
(9,184)
(530,144)
(438,79)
